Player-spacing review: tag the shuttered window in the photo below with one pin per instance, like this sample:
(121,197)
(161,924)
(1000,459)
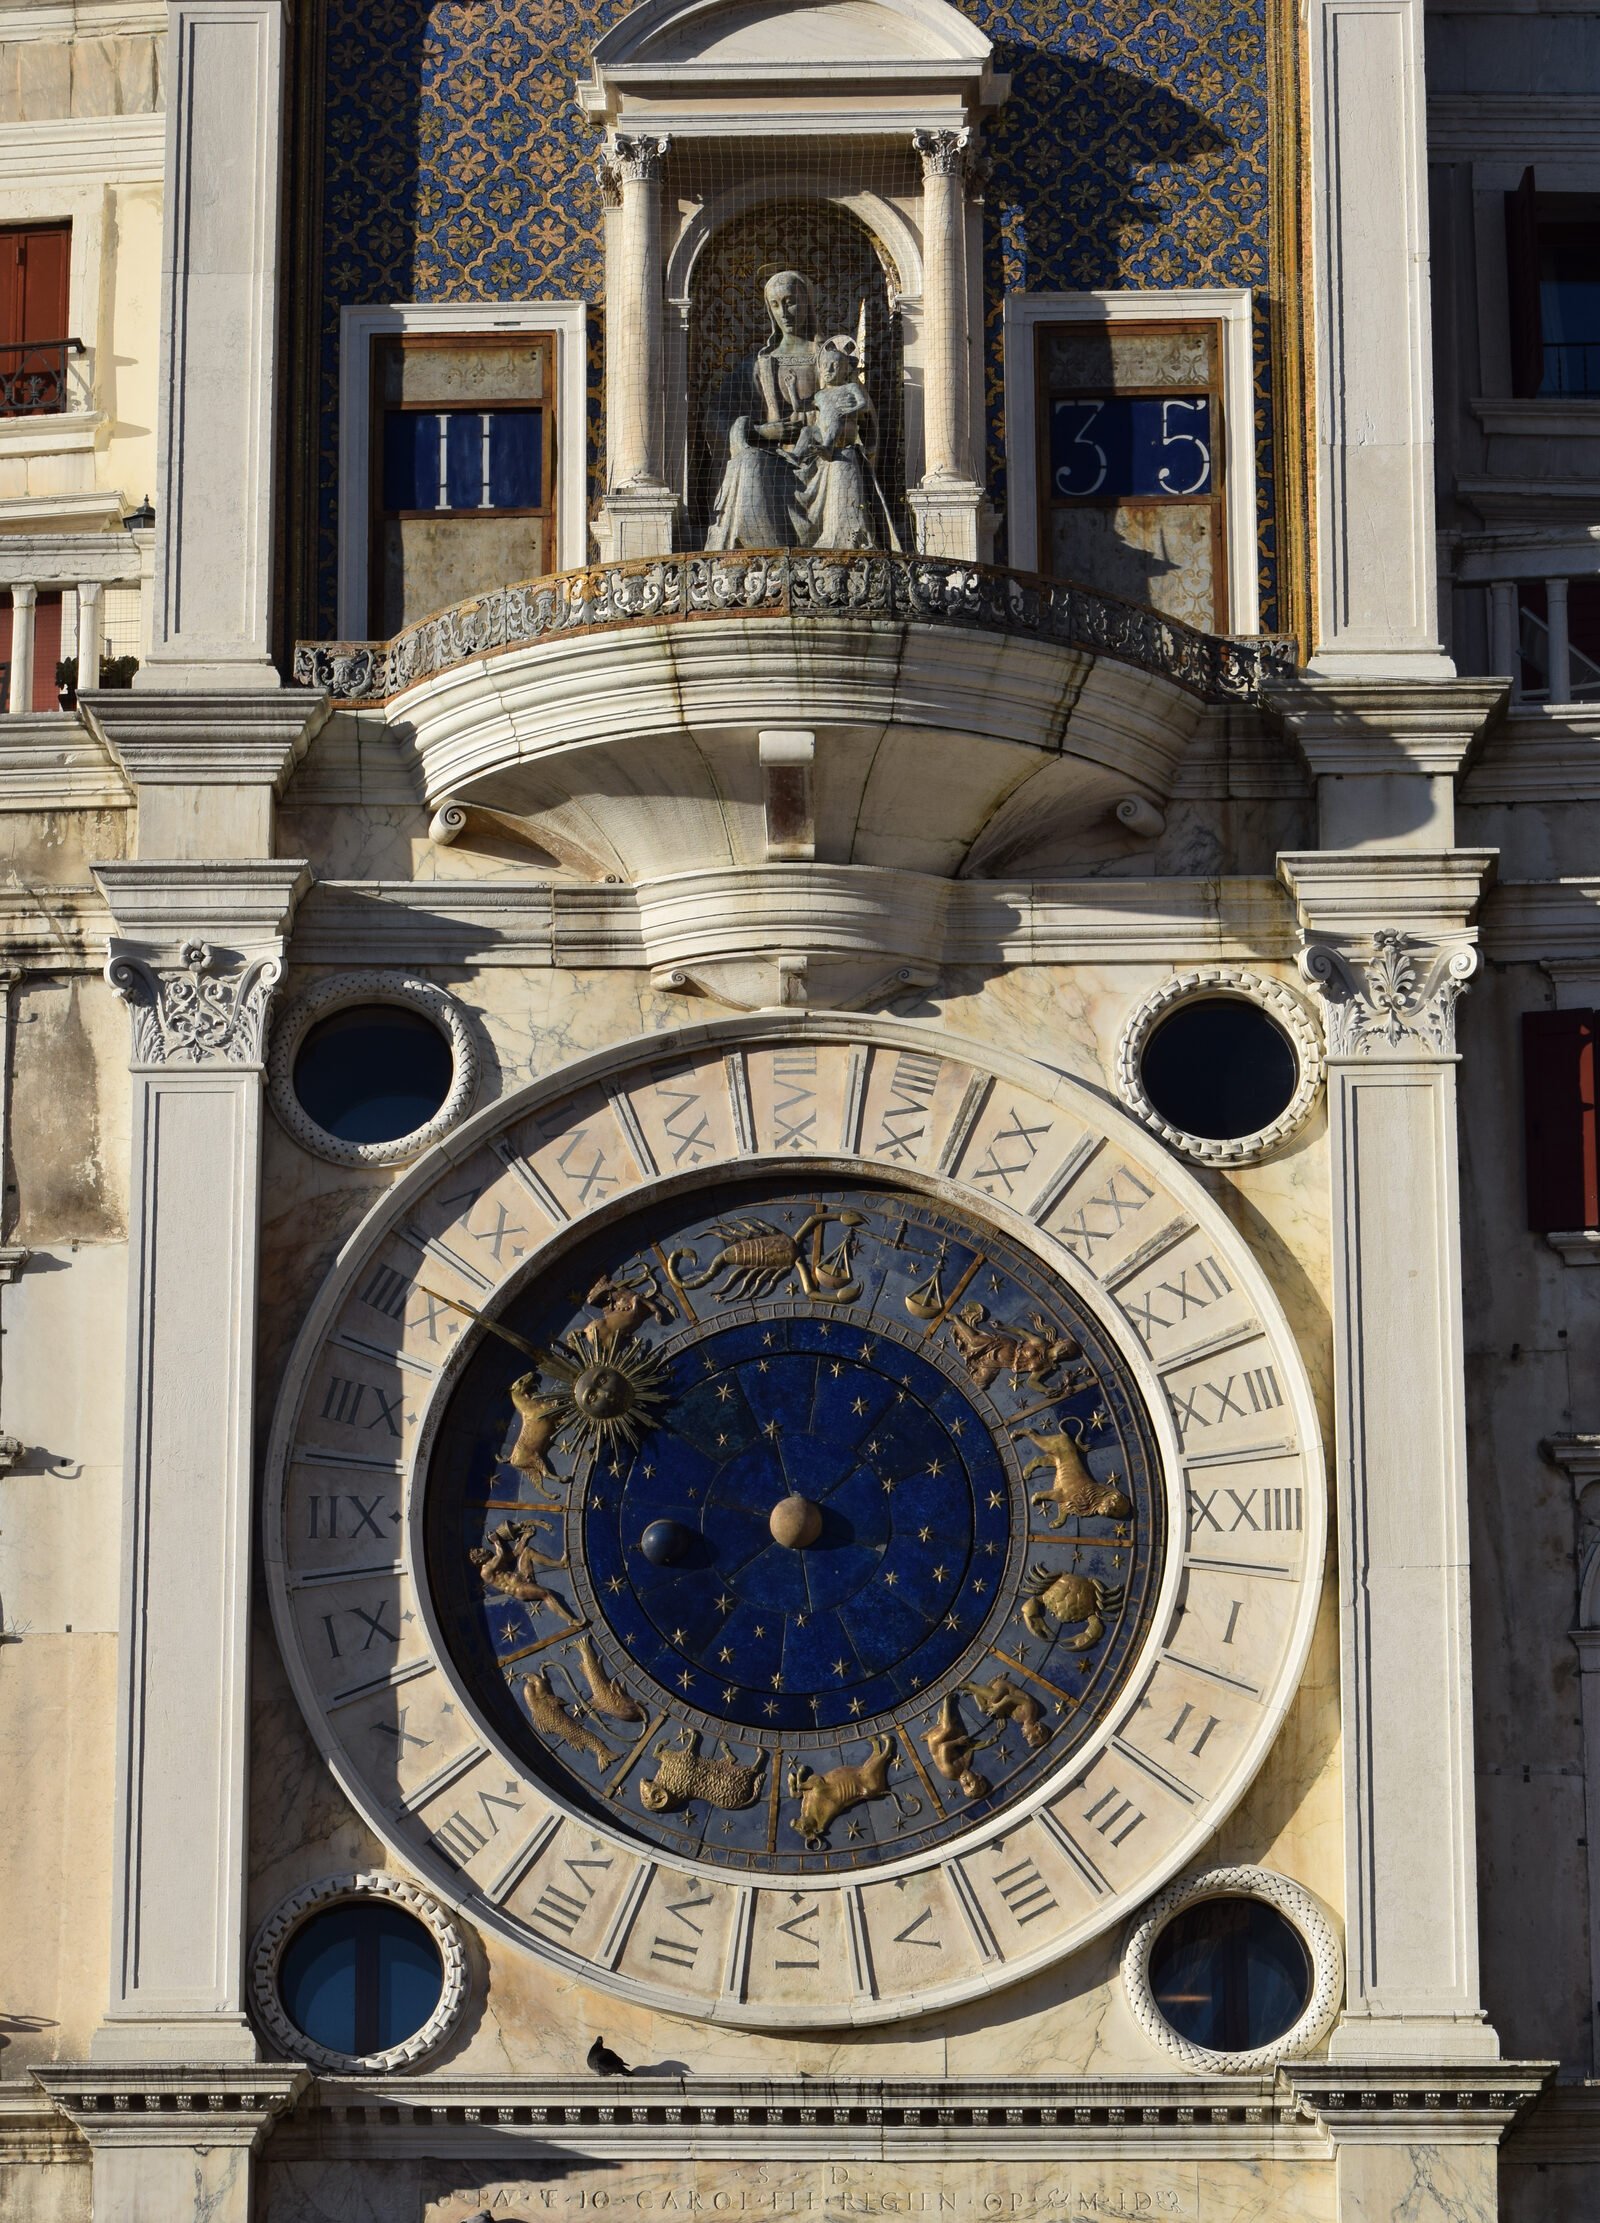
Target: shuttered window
(1559,1125)
(35,262)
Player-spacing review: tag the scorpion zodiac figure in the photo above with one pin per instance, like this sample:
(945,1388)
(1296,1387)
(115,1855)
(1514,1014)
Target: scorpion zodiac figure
(755,1256)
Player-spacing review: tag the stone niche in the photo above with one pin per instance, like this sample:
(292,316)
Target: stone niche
(836,141)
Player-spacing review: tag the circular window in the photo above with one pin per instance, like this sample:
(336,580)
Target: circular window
(360,1978)
(373,1073)
(1230,1974)
(370,1068)
(1223,1064)
(360,1971)
(1234,1969)
(1219,1068)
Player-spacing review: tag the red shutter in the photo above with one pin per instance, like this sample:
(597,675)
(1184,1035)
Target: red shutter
(35,262)
(1522,284)
(47,651)
(1558,1093)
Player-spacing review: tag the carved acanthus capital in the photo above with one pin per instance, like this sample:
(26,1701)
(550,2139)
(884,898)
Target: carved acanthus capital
(636,158)
(1397,995)
(945,154)
(209,1009)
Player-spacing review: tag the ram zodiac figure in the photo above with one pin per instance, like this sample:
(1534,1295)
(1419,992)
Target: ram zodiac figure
(1067,1598)
(683,1774)
(823,1798)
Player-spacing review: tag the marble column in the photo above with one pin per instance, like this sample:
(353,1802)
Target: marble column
(210,625)
(949,507)
(636,517)
(196,956)
(1390,947)
(24,601)
(1579,1457)
(1377,563)
(91,631)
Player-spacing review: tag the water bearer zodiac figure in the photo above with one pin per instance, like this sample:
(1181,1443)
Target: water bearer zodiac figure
(799,471)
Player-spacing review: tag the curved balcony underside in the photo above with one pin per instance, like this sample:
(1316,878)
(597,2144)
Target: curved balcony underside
(967,721)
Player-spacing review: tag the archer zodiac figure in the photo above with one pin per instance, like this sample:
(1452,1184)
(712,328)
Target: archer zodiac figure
(1073,1489)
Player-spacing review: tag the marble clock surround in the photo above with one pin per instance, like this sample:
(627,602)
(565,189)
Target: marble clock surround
(861,1970)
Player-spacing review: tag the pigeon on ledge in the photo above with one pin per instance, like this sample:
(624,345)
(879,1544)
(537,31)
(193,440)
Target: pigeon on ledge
(604,2062)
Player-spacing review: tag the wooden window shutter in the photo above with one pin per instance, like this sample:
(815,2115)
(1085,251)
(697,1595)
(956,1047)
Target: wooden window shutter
(1522,280)
(1559,1126)
(35,269)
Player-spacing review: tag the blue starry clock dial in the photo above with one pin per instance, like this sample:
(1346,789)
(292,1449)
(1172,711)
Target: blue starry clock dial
(794,1528)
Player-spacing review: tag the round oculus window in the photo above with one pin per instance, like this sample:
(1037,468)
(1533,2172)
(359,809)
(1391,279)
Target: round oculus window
(1230,1974)
(360,1977)
(373,1072)
(1219,1067)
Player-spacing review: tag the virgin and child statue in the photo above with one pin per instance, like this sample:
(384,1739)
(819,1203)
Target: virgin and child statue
(799,471)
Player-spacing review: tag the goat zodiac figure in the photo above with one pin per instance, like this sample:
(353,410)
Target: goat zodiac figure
(1073,1489)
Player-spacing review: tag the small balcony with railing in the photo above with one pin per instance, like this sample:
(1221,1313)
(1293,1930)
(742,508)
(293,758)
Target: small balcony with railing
(37,378)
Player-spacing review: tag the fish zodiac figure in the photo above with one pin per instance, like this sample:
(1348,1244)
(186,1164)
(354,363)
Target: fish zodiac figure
(823,1798)
(683,1774)
(1073,1489)
(755,1256)
(1068,1598)
(557,1722)
(1003,1700)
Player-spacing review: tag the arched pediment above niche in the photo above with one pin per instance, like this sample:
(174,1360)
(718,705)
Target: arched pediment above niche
(666,55)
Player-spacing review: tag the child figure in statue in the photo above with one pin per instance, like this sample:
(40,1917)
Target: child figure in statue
(839,495)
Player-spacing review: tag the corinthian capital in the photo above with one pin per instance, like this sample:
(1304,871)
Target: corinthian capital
(1396,997)
(210,1008)
(637,158)
(945,154)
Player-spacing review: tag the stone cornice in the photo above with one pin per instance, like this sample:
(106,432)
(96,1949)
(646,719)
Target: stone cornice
(1544,922)
(1433,893)
(1385,726)
(244,738)
(180,2105)
(244,902)
(1405,2103)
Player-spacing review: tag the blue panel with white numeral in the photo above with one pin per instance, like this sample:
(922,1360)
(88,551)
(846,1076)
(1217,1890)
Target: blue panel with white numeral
(1123,447)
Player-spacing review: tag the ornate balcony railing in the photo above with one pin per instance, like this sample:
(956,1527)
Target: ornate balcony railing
(33,377)
(795,583)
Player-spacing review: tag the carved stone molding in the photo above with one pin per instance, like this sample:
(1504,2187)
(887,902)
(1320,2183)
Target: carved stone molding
(638,158)
(211,1008)
(331,1891)
(1316,1932)
(945,154)
(1280,1005)
(163,2105)
(1397,996)
(338,993)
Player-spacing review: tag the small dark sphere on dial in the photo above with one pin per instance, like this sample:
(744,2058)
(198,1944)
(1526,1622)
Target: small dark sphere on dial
(664,1543)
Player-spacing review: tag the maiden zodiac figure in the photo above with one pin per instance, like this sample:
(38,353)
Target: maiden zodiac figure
(799,472)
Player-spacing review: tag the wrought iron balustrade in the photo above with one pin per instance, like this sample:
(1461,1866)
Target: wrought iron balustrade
(796,583)
(33,377)
(1571,367)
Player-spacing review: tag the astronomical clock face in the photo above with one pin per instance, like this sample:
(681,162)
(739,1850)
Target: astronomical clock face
(799,1525)
(812,1523)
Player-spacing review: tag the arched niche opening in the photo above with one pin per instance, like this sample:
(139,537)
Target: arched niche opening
(855,289)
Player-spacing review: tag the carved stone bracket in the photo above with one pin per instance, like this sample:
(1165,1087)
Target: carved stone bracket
(163,2105)
(1397,996)
(211,1008)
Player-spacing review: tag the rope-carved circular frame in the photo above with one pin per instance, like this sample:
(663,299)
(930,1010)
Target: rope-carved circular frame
(272,1939)
(1204,982)
(337,993)
(1316,1932)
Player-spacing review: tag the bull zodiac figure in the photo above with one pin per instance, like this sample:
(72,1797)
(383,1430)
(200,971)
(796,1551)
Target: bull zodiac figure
(823,1798)
(1067,1598)
(1003,1700)
(682,1774)
(1030,1354)
(1073,1489)
(507,1563)
(755,1256)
